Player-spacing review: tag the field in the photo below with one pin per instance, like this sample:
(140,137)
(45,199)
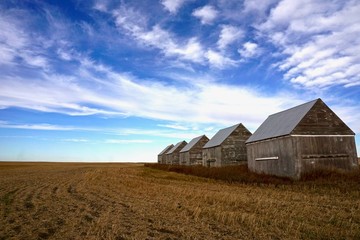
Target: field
(130,201)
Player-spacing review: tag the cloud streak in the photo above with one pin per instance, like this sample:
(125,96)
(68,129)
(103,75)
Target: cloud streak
(320,43)
(207,14)
(127,141)
(92,87)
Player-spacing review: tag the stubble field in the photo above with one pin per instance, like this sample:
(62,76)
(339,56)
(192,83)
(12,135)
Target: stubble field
(130,201)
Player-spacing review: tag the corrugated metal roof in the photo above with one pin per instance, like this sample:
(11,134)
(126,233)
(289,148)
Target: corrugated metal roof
(191,144)
(175,147)
(281,123)
(166,149)
(220,136)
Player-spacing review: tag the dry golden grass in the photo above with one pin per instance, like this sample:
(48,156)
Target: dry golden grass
(130,201)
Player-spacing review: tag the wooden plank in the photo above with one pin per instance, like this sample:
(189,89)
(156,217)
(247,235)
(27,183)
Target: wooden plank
(266,158)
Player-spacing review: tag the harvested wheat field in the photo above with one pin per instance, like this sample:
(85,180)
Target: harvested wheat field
(130,201)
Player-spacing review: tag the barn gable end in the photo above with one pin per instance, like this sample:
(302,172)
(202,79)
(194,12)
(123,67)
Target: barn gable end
(227,147)
(172,156)
(191,154)
(162,156)
(321,120)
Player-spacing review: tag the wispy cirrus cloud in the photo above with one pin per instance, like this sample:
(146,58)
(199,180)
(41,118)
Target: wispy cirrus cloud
(135,24)
(228,35)
(93,87)
(174,126)
(128,141)
(43,126)
(319,43)
(188,50)
(17,46)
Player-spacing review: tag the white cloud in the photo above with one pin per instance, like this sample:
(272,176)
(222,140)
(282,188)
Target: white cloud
(258,6)
(319,41)
(206,14)
(135,24)
(200,102)
(46,127)
(101,5)
(173,5)
(189,50)
(174,126)
(127,141)
(228,35)
(218,60)
(249,50)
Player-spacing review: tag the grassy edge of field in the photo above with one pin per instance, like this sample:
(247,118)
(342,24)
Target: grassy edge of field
(326,178)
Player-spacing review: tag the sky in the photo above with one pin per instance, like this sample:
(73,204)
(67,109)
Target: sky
(118,81)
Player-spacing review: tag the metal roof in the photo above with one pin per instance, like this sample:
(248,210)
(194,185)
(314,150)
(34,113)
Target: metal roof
(281,123)
(220,136)
(192,143)
(175,147)
(166,149)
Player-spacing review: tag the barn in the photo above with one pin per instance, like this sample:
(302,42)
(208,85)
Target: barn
(191,154)
(162,156)
(173,155)
(227,147)
(298,140)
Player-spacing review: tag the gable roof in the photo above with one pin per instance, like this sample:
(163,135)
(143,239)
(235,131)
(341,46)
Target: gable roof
(281,123)
(175,147)
(166,149)
(192,143)
(220,136)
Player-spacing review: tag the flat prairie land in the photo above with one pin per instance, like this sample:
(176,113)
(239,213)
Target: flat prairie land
(130,201)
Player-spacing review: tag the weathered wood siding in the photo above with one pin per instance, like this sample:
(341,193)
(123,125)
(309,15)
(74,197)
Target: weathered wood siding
(321,120)
(194,158)
(291,156)
(174,157)
(194,155)
(275,157)
(232,151)
(212,156)
(325,152)
(168,159)
(183,157)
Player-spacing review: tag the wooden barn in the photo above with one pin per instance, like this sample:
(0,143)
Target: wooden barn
(227,147)
(301,139)
(173,155)
(162,156)
(191,154)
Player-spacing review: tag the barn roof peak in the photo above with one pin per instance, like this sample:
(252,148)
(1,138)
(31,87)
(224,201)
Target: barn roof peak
(175,147)
(221,135)
(282,123)
(166,149)
(192,143)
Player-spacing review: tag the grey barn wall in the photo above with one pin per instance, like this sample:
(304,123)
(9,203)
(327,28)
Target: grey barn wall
(325,152)
(212,156)
(174,157)
(298,155)
(232,151)
(194,155)
(282,148)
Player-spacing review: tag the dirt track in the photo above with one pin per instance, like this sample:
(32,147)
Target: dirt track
(128,201)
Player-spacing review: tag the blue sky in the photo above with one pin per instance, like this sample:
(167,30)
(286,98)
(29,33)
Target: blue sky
(120,80)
